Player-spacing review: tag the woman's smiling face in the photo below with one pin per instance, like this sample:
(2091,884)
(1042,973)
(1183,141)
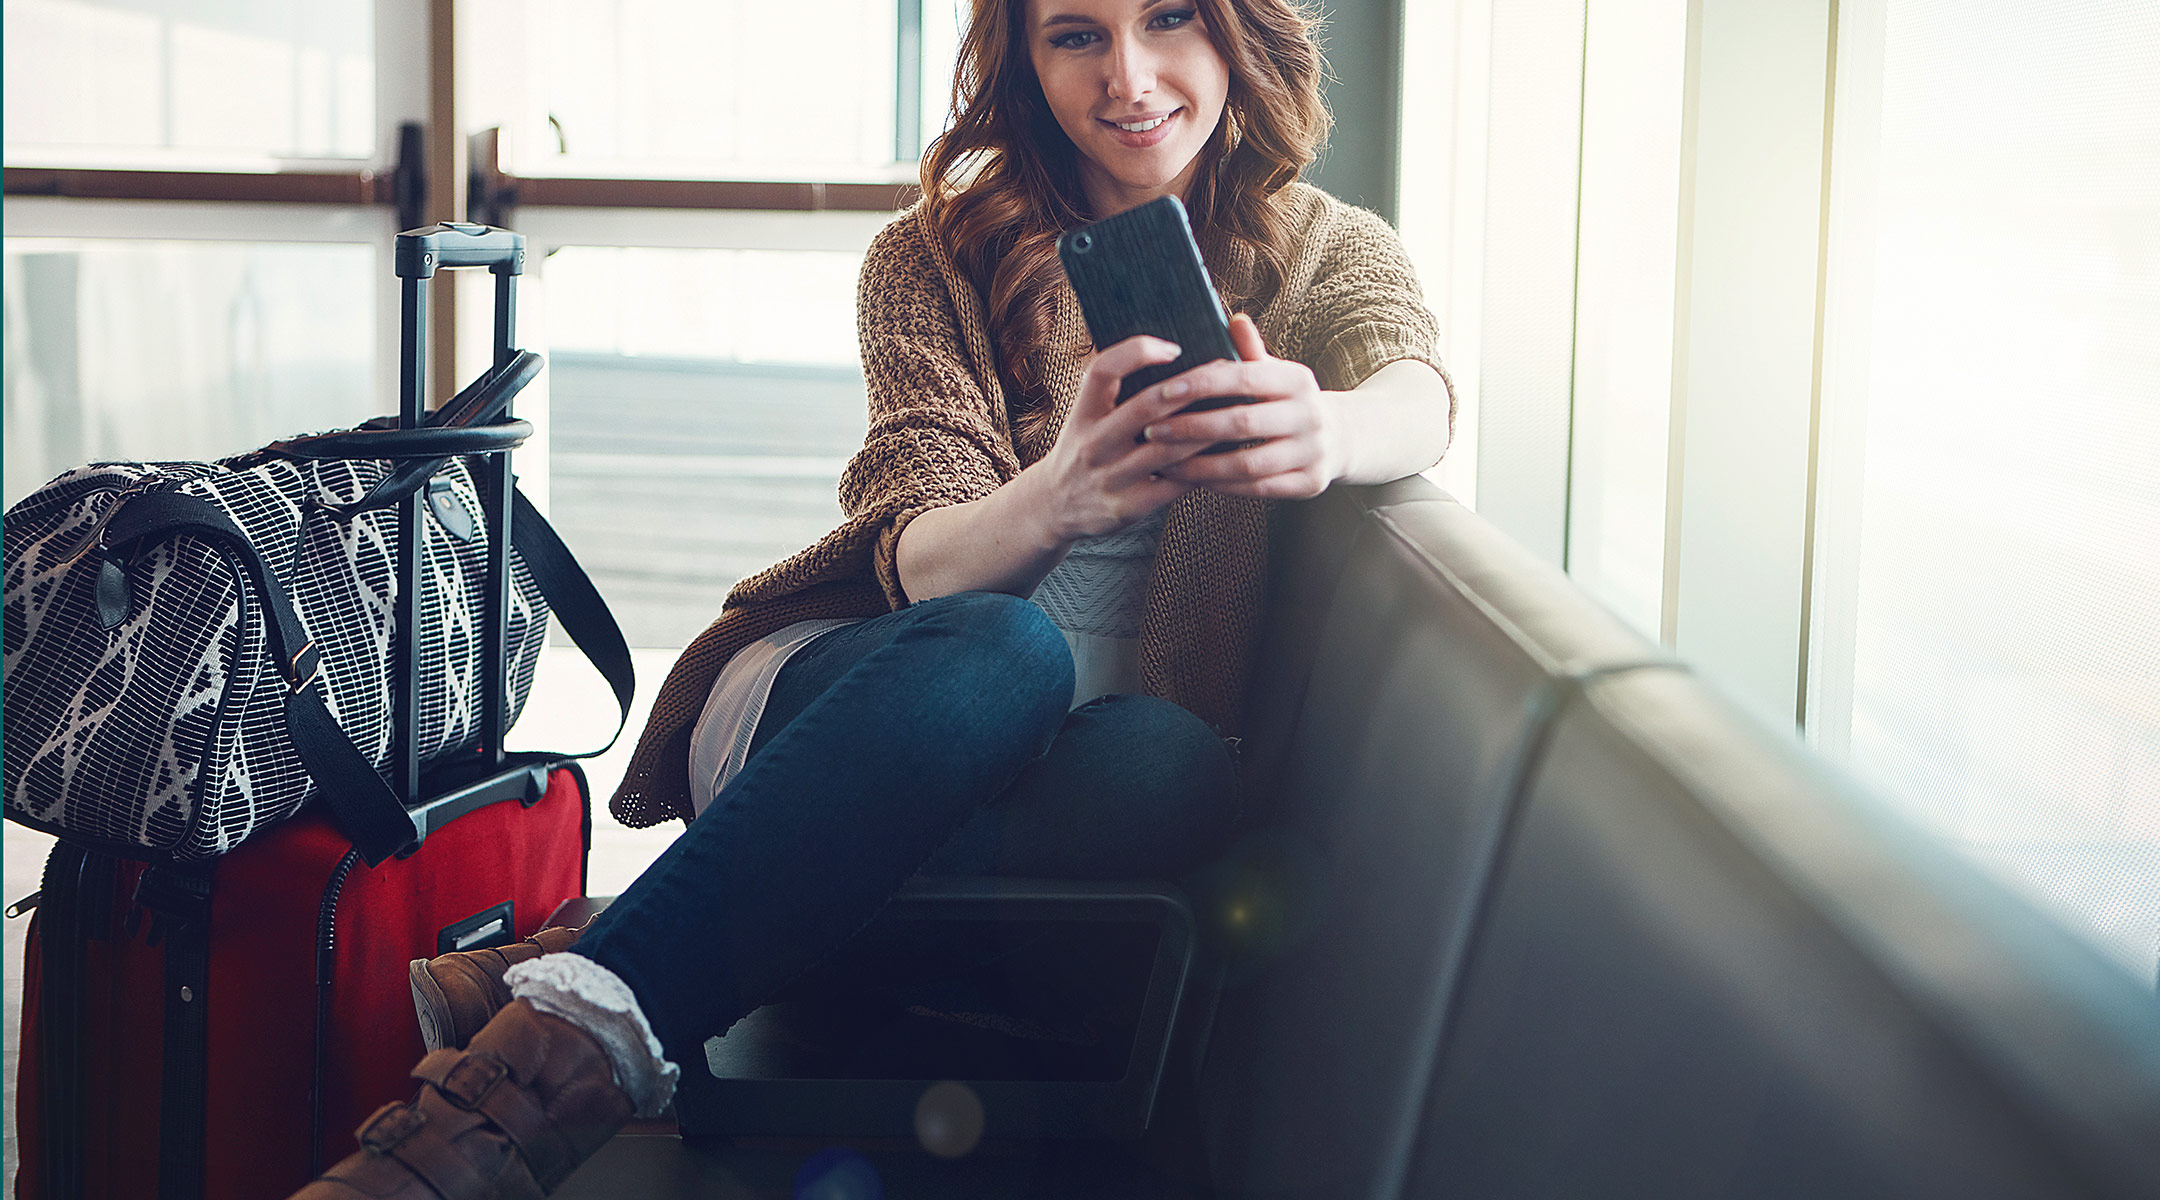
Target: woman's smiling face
(1136,84)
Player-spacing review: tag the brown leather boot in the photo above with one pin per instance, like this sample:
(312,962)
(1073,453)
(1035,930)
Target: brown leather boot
(454,995)
(511,1116)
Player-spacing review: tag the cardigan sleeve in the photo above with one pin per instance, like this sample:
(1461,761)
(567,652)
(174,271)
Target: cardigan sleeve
(935,434)
(934,438)
(1364,308)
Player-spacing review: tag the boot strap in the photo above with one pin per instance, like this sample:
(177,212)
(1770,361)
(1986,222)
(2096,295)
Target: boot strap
(426,1147)
(463,1079)
(474,1082)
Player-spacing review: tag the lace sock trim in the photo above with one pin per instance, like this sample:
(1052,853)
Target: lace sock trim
(596,1000)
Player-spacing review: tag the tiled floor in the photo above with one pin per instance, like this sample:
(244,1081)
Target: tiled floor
(570,709)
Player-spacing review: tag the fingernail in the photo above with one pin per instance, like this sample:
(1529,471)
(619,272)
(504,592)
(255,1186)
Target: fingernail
(1148,434)
(1176,390)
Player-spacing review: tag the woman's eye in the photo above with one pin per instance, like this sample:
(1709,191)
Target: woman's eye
(1174,18)
(1072,41)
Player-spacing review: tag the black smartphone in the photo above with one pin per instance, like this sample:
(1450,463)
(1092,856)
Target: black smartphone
(1140,272)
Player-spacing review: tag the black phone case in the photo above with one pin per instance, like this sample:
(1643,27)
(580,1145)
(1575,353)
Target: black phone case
(1141,272)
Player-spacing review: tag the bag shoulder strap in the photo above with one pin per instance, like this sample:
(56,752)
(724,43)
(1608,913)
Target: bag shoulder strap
(578,605)
(363,807)
(361,803)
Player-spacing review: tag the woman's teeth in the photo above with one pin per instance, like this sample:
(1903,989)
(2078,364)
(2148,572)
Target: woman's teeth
(1142,126)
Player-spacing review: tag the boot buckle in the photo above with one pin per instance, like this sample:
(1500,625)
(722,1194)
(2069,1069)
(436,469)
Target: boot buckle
(390,1126)
(469,1081)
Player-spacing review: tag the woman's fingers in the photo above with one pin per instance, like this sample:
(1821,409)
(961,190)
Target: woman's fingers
(1152,494)
(1258,377)
(1235,423)
(1277,457)
(1272,379)
(1245,335)
(1153,403)
(1105,376)
(1278,409)
(1150,458)
(1281,415)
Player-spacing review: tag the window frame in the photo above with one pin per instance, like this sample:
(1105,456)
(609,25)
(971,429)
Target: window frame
(419,83)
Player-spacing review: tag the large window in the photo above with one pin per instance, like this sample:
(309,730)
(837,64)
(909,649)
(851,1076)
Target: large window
(1820,341)
(179,349)
(207,82)
(1991,568)
(702,406)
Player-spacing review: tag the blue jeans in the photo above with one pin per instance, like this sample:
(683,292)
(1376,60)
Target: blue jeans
(934,739)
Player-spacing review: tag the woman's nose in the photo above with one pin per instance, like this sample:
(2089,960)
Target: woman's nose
(1132,71)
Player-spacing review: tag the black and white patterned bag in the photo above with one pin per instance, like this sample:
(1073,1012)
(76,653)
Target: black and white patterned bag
(156,701)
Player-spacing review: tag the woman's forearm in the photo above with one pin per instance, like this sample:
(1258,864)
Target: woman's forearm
(1394,424)
(1003,542)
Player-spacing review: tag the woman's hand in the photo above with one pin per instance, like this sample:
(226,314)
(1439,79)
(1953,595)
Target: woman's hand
(1100,476)
(1097,478)
(1295,426)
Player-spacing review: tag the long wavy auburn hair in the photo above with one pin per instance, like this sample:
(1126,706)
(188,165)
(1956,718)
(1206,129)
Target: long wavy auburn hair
(1003,181)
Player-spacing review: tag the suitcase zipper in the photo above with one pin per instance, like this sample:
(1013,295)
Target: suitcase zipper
(325,967)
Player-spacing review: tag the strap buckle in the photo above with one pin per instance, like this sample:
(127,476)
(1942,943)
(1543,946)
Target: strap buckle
(391,1125)
(468,1082)
(294,677)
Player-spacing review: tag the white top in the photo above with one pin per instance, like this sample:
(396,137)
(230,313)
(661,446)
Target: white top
(1100,589)
(1095,596)
(721,739)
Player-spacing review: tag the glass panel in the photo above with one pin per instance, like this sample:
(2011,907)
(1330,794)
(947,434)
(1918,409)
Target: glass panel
(1625,277)
(2005,675)
(702,404)
(189,83)
(179,350)
(1446,83)
(1526,308)
(710,87)
(943,21)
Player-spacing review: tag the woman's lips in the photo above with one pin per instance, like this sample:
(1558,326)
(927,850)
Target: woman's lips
(1146,137)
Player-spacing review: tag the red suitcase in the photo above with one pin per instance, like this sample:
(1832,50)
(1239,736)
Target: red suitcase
(219,1029)
(299,973)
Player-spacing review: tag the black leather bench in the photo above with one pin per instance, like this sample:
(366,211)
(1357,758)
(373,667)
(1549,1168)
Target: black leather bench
(1572,925)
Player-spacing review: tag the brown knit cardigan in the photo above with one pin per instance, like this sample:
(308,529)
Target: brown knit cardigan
(940,433)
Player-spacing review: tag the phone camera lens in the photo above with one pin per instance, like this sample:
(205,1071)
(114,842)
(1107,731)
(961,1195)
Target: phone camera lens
(1082,243)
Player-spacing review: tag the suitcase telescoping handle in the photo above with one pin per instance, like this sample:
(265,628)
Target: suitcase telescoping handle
(422,252)
(418,254)
(431,444)
(475,412)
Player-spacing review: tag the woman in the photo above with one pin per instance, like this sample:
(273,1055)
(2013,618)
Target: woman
(889,700)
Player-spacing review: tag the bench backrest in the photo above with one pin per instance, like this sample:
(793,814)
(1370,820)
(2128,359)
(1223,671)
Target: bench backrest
(1531,910)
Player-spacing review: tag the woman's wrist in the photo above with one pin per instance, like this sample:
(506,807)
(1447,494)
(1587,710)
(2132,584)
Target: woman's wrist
(1392,425)
(998,543)
(1334,439)
(1032,511)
